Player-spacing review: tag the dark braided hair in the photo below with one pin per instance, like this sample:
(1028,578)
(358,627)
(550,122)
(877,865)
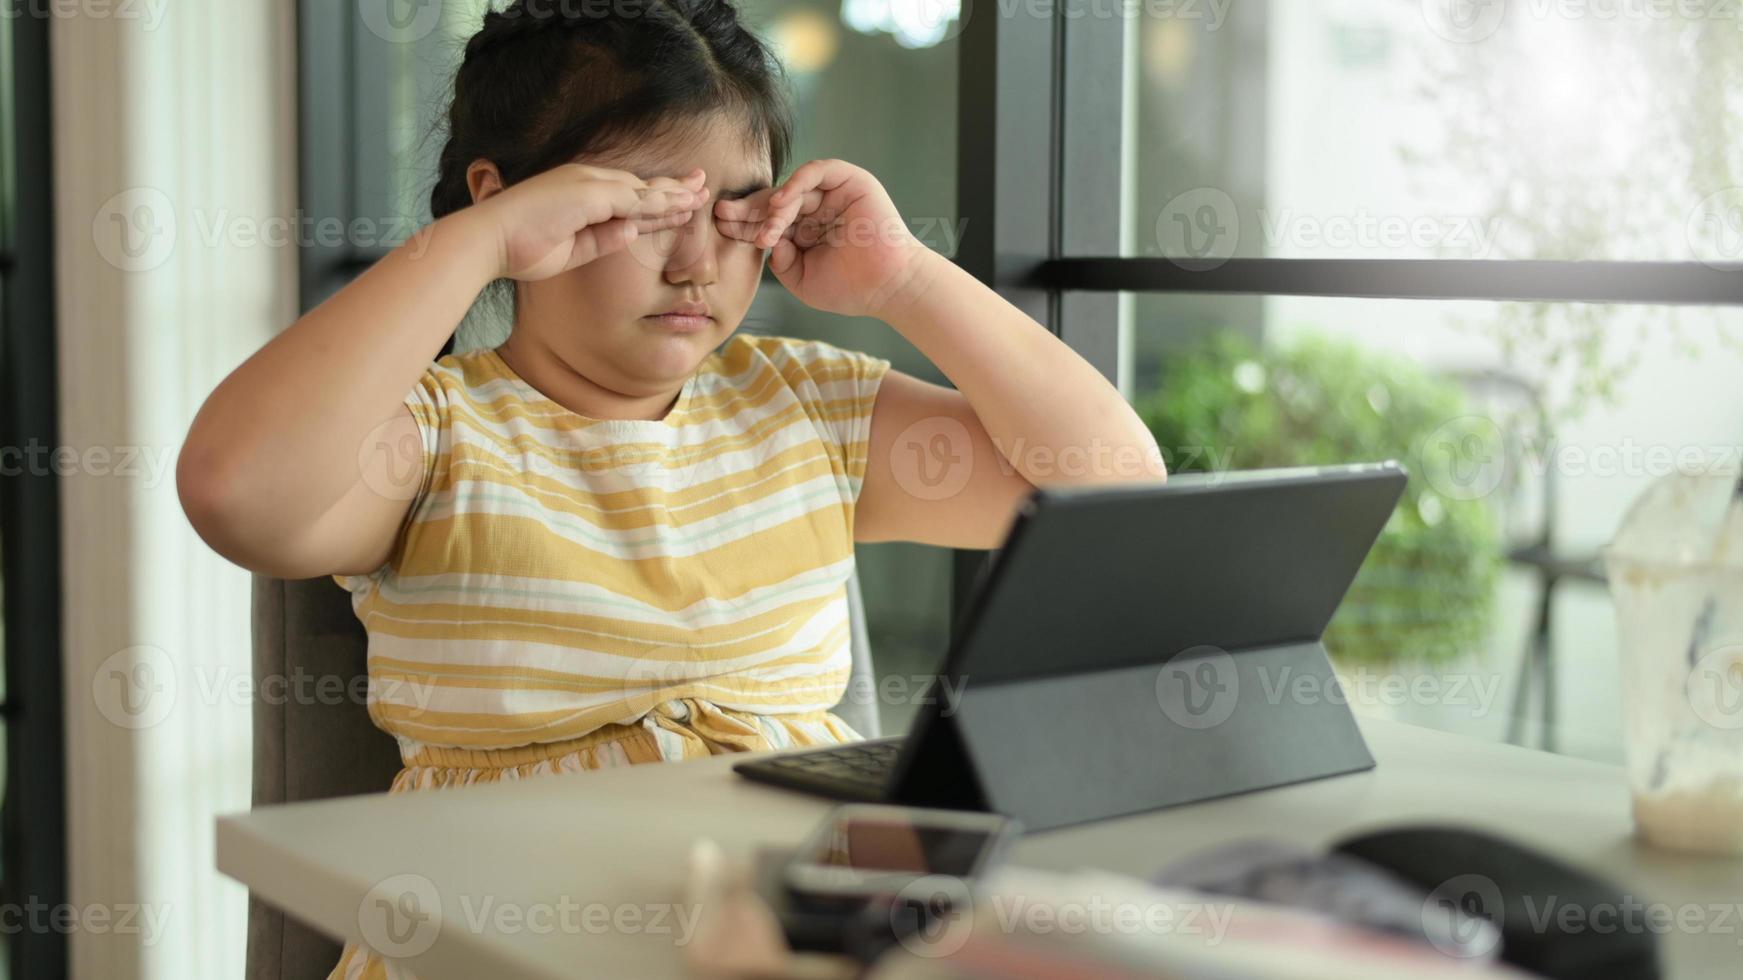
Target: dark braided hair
(546,81)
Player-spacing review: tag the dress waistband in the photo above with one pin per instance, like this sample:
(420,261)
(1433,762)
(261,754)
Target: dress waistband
(681,728)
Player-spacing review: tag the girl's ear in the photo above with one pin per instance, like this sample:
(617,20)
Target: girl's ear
(482,179)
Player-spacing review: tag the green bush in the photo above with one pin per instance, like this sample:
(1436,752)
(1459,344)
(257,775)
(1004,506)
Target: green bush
(1425,593)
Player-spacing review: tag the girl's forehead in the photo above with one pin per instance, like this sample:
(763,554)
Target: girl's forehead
(721,169)
(734,176)
(731,154)
(727,168)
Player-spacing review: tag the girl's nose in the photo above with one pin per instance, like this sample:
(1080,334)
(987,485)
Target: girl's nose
(693,257)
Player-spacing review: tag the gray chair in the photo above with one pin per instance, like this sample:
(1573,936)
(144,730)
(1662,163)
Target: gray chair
(326,746)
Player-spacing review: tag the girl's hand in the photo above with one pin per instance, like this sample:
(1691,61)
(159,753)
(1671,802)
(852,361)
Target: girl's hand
(575,213)
(839,243)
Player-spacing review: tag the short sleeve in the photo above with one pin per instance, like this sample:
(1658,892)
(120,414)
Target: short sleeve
(864,375)
(838,388)
(429,403)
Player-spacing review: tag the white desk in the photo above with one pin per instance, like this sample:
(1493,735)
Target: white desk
(621,837)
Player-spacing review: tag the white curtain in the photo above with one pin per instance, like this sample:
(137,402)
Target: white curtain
(175,194)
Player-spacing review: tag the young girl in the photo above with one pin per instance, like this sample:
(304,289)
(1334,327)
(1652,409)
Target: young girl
(623,535)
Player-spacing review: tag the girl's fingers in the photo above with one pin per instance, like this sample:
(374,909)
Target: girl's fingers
(731,221)
(673,219)
(692,181)
(815,218)
(588,172)
(594,241)
(658,201)
(804,191)
(744,231)
(754,220)
(673,197)
(745,209)
(785,254)
(784,209)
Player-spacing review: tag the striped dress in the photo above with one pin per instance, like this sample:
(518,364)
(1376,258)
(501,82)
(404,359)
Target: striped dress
(571,593)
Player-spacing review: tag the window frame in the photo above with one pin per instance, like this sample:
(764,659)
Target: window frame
(33,815)
(1041,105)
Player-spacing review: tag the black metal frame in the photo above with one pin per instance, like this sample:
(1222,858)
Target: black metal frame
(326,164)
(1008,180)
(33,815)
(1442,279)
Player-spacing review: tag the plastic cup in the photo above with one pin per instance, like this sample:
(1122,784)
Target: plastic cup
(1680,617)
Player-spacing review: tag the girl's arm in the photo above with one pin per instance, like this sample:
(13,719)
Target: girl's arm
(950,467)
(945,467)
(278,443)
(1049,412)
(294,466)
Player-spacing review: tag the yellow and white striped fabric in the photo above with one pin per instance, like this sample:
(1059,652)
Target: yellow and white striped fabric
(557,573)
(571,593)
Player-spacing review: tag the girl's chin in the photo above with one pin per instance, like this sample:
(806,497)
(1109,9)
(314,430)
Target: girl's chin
(676,355)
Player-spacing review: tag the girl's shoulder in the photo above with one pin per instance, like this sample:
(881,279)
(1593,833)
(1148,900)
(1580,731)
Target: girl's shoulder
(835,386)
(472,368)
(797,357)
(480,375)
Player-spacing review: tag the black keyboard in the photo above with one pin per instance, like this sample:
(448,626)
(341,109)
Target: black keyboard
(852,771)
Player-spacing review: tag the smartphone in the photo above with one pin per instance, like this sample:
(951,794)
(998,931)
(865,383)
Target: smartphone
(864,850)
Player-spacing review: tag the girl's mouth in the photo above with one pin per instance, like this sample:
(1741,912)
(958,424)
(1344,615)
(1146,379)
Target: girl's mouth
(682,322)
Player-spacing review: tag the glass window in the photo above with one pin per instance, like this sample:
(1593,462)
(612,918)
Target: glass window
(890,108)
(1512,473)
(1371,129)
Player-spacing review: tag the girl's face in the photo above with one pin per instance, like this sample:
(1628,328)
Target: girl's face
(599,319)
